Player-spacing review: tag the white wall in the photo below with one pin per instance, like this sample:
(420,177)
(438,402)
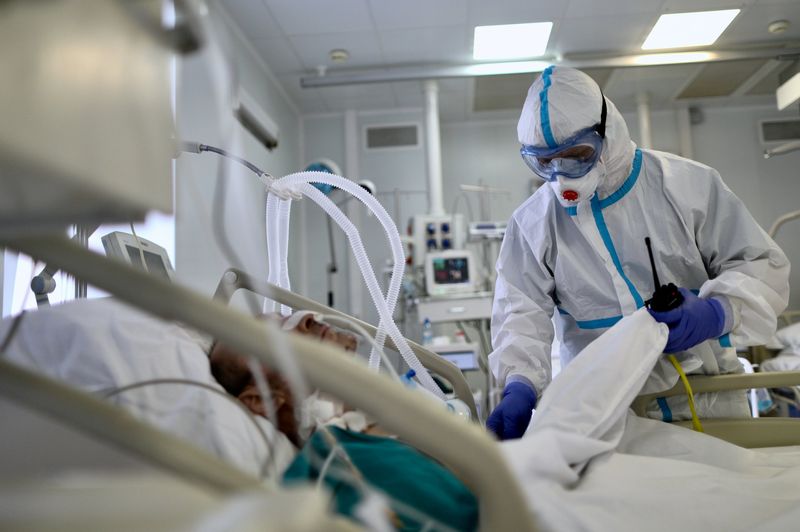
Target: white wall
(323,139)
(727,139)
(203,115)
(389,169)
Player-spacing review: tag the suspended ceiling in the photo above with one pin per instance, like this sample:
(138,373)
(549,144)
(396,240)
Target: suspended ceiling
(294,38)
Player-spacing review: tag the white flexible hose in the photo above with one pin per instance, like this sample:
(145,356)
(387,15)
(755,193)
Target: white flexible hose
(372,285)
(389,228)
(273,247)
(284,211)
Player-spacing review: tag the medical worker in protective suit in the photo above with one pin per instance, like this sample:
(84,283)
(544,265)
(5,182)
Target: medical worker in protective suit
(575,252)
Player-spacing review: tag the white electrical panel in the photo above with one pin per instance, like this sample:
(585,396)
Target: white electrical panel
(431,233)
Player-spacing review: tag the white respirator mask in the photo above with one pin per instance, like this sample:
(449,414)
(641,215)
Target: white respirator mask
(572,191)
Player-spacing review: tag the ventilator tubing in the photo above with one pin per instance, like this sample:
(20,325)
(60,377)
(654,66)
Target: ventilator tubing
(278,212)
(287,183)
(278,217)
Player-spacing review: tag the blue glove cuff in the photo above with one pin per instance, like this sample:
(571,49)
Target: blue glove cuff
(719,310)
(523,390)
(727,311)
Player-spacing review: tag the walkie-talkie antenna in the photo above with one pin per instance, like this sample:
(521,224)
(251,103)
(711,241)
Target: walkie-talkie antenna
(652,262)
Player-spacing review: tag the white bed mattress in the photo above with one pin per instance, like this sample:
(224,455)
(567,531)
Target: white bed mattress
(101,344)
(587,463)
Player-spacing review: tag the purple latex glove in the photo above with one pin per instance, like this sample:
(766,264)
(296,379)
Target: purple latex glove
(695,321)
(511,417)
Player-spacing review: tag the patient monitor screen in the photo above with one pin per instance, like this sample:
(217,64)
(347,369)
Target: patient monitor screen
(155,264)
(451,270)
(463,360)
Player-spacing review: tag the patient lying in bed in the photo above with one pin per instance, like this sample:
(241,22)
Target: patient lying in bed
(395,468)
(231,370)
(586,463)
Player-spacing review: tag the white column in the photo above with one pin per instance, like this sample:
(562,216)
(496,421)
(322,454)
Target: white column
(433,148)
(301,216)
(643,112)
(684,131)
(352,171)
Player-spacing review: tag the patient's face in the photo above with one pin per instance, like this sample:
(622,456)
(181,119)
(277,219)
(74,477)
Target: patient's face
(308,326)
(230,367)
(231,370)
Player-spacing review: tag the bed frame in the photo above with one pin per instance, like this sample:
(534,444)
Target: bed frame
(463,447)
(745,432)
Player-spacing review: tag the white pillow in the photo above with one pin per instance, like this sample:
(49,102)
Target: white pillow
(789,336)
(99,345)
(785,361)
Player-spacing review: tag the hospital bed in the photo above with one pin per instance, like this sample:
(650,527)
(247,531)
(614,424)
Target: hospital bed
(475,458)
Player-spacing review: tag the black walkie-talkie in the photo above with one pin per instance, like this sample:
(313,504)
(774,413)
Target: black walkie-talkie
(666,296)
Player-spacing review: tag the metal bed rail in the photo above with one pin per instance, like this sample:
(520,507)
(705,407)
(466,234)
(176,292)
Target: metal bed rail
(234,279)
(117,427)
(464,447)
(745,432)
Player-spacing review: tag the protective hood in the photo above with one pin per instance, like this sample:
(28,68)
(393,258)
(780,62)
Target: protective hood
(563,101)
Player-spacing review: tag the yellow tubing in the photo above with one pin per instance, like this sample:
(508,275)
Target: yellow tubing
(695,420)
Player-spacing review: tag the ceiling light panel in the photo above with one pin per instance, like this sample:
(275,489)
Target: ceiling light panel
(682,30)
(511,41)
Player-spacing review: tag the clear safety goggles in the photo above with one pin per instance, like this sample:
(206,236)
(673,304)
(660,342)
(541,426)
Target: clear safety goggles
(573,158)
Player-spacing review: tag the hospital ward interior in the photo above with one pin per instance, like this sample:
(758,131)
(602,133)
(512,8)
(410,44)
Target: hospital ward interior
(452,265)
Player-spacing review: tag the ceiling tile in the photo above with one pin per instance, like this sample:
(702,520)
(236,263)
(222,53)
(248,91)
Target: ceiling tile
(364,49)
(354,92)
(482,13)
(751,24)
(660,83)
(721,79)
(279,55)
(390,15)
(253,17)
(427,45)
(596,34)
(307,100)
(688,6)
(380,33)
(374,97)
(771,81)
(408,93)
(593,8)
(500,92)
(312,17)
(291,82)
(601,76)
(455,84)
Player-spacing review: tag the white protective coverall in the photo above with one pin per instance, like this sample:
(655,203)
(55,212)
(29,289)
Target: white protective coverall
(588,264)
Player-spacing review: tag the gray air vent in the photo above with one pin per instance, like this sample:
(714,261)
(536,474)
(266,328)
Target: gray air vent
(401,136)
(779,130)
